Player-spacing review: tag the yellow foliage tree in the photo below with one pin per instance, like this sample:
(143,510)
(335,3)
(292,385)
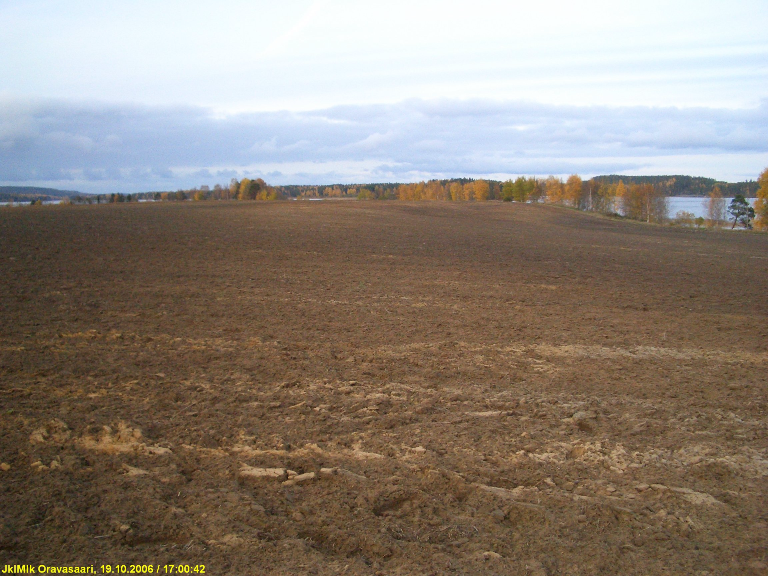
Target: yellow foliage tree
(481,190)
(572,193)
(468,191)
(554,190)
(434,190)
(411,191)
(620,192)
(645,202)
(761,204)
(456,192)
(632,202)
(243,192)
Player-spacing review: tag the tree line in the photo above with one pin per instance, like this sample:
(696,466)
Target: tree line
(645,202)
(245,189)
(636,197)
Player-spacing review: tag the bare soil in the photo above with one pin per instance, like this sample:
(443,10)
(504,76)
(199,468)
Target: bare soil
(381,388)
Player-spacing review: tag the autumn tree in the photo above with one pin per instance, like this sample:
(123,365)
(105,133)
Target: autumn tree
(508,191)
(409,191)
(572,192)
(455,191)
(761,204)
(537,191)
(601,196)
(519,189)
(644,202)
(244,189)
(250,189)
(434,190)
(632,203)
(481,190)
(715,208)
(523,189)
(619,194)
(554,190)
(333,192)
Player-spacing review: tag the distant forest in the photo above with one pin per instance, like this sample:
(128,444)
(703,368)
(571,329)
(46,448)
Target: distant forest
(686,185)
(670,185)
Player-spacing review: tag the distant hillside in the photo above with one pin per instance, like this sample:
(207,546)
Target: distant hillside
(29,193)
(686,185)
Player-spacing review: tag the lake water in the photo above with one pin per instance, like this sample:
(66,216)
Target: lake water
(695,204)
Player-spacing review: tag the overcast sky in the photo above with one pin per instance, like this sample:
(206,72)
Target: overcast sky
(134,95)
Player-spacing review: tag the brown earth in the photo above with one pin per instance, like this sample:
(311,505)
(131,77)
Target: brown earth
(442,389)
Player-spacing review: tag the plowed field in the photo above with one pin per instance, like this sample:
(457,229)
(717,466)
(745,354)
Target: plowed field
(381,388)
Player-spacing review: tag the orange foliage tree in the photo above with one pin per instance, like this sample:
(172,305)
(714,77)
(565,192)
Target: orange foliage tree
(555,191)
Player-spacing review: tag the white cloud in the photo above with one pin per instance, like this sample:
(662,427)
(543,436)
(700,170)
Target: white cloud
(132,148)
(71,142)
